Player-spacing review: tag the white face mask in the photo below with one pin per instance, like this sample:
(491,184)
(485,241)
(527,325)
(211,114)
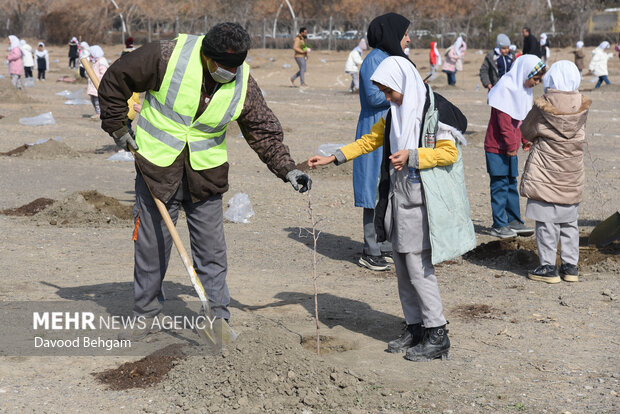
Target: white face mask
(222,75)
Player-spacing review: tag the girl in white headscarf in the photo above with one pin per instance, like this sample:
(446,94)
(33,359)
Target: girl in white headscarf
(100,66)
(16,67)
(406,218)
(598,64)
(84,53)
(554,175)
(510,100)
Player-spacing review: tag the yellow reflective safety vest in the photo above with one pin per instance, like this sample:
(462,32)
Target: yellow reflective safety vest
(167,122)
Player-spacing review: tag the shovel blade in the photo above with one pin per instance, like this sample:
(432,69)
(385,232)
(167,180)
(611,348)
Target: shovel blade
(606,232)
(218,334)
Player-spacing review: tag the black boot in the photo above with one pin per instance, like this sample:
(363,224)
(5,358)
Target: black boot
(434,345)
(412,336)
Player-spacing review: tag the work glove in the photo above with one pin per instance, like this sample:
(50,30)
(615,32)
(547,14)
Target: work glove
(125,140)
(296,177)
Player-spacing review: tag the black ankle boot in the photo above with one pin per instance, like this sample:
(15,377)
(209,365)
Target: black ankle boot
(434,345)
(412,336)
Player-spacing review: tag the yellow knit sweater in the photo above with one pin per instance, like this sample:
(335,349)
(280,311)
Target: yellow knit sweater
(444,153)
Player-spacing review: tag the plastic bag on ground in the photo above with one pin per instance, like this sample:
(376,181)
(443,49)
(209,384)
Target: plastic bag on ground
(28,82)
(64,93)
(286,66)
(122,155)
(43,119)
(326,150)
(44,140)
(77,102)
(239,209)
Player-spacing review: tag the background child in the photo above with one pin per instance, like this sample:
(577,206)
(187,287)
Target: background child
(497,62)
(27,58)
(407,220)
(73,53)
(99,67)
(579,56)
(510,101)
(435,60)
(84,53)
(353,63)
(43,61)
(598,64)
(554,176)
(16,67)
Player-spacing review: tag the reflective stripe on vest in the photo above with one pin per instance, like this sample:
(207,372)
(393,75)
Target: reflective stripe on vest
(166,123)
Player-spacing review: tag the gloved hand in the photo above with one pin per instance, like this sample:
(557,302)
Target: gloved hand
(296,177)
(125,140)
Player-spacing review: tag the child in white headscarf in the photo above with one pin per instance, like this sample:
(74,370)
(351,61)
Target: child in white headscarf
(598,64)
(16,67)
(353,63)
(545,47)
(27,58)
(413,158)
(43,61)
(554,175)
(510,100)
(100,66)
(84,53)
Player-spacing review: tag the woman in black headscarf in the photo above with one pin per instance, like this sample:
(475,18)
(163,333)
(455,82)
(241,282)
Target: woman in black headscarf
(388,36)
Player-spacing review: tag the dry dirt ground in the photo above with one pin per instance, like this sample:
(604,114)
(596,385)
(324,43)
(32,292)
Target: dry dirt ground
(517,345)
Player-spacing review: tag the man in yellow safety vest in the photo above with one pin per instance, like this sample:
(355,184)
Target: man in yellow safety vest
(195,87)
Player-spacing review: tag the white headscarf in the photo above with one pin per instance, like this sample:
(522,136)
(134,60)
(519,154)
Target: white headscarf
(543,39)
(510,95)
(563,76)
(96,52)
(361,46)
(74,40)
(604,45)
(397,73)
(458,43)
(84,45)
(579,44)
(14,42)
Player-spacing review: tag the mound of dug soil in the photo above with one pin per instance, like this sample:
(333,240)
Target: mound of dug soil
(10,94)
(49,150)
(87,208)
(521,254)
(268,370)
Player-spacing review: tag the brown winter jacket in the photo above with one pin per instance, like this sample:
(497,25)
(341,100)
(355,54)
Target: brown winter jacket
(554,171)
(299,45)
(579,58)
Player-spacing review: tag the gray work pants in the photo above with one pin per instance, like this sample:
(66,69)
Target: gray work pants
(418,289)
(371,247)
(153,244)
(547,237)
(301,73)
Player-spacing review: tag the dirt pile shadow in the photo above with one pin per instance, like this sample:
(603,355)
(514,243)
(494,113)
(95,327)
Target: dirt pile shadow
(521,255)
(79,209)
(143,373)
(48,150)
(29,209)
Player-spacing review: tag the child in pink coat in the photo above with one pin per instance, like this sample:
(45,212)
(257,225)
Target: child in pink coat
(16,67)
(99,67)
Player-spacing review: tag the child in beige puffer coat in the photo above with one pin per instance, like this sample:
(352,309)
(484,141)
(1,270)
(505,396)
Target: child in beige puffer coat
(554,175)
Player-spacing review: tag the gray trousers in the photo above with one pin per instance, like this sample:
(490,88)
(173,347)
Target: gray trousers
(371,247)
(153,244)
(301,62)
(418,289)
(547,237)
(355,81)
(95,101)
(16,81)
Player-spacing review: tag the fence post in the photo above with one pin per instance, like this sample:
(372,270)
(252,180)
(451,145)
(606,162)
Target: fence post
(264,33)
(329,36)
(206,24)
